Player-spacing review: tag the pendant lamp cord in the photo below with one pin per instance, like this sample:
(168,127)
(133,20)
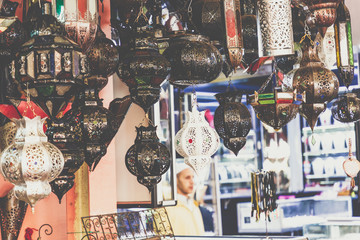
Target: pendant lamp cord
(28,102)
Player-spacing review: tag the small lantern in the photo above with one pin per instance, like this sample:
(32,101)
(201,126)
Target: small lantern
(31,162)
(344,45)
(232,120)
(50,66)
(147,159)
(193,60)
(278,108)
(320,84)
(346,108)
(143,69)
(249,32)
(327,50)
(196,141)
(275,21)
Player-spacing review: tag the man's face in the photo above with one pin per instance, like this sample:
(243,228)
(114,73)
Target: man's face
(185,181)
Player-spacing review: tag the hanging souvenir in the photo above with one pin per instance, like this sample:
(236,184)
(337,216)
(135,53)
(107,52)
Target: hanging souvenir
(232,120)
(346,108)
(143,69)
(275,21)
(31,162)
(147,159)
(320,84)
(327,50)
(196,141)
(249,32)
(351,166)
(344,45)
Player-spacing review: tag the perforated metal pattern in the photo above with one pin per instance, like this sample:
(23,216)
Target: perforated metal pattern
(346,108)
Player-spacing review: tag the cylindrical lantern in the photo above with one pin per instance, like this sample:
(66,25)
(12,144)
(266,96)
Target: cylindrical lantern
(275,25)
(346,108)
(31,162)
(344,45)
(232,120)
(147,159)
(196,141)
(327,51)
(193,60)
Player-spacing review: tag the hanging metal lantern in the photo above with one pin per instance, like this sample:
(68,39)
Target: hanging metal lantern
(232,120)
(66,134)
(193,60)
(286,63)
(327,50)
(12,212)
(31,162)
(103,56)
(50,65)
(278,108)
(147,159)
(249,32)
(196,141)
(7,135)
(276,38)
(344,45)
(324,12)
(320,84)
(143,69)
(346,108)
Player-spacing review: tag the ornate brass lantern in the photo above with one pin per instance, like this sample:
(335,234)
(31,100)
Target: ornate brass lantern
(249,32)
(147,159)
(143,69)
(320,84)
(346,108)
(193,60)
(31,162)
(344,45)
(324,11)
(50,65)
(196,141)
(232,120)
(275,19)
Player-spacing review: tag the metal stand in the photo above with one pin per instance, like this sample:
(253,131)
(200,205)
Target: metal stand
(48,230)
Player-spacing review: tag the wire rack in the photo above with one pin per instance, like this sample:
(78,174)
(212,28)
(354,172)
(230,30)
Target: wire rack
(146,224)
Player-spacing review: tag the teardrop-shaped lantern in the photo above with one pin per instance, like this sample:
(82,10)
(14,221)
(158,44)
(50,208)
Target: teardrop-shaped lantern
(143,69)
(346,108)
(320,84)
(344,45)
(232,120)
(193,60)
(196,141)
(147,159)
(31,162)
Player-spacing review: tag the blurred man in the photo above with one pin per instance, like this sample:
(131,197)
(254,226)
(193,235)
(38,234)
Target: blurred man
(185,217)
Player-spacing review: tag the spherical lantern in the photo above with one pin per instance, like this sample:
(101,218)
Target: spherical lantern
(193,60)
(346,108)
(324,11)
(103,56)
(320,84)
(196,141)
(276,28)
(31,162)
(344,45)
(232,120)
(147,159)
(66,134)
(50,66)
(143,69)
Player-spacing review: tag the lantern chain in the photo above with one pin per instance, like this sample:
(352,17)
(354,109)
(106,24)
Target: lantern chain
(28,103)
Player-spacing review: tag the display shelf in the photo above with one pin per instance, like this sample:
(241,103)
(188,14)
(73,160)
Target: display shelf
(328,152)
(326,176)
(235,180)
(328,128)
(229,158)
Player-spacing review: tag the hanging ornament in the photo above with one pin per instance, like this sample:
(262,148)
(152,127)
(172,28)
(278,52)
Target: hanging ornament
(351,166)
(49,64)
(7,135)
(275,21)
(324,12)
(147,159)
(232,120)
(193,60)
(344,45)
(346,108)
(320,84)
(143,69)
(196,141)
(66,134)
(327,50)
(31,162)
